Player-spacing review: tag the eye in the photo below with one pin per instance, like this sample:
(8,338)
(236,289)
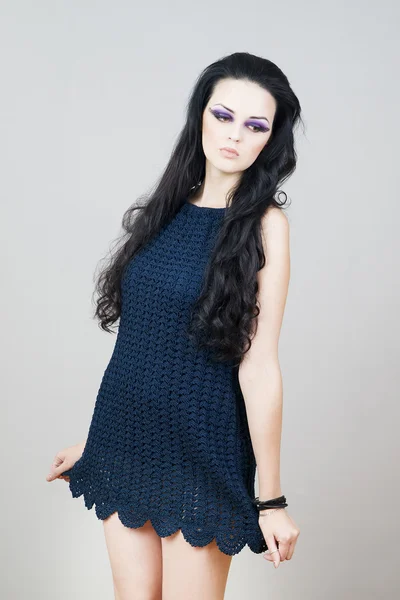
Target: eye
(259,128)
(220,116)
(223,118)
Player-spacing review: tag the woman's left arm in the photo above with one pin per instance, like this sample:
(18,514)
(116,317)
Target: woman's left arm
(261,381)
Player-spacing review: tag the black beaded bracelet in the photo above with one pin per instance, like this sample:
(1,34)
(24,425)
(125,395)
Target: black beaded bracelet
(274,503)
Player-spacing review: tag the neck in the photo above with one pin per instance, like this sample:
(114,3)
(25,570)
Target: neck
(215,188)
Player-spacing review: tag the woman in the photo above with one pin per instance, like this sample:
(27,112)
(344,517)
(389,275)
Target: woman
(191,400)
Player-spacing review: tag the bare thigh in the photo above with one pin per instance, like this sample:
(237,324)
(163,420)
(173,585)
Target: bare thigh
(193,573)
(135,558)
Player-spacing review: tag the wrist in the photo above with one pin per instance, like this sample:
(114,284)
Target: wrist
(269,494)
(267,511)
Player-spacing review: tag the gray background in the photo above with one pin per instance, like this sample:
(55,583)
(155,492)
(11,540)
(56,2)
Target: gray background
(92,99)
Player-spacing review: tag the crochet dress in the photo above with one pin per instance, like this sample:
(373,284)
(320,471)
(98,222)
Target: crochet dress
(169,440)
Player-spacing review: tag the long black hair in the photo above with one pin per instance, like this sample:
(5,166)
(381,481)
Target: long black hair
(223,317)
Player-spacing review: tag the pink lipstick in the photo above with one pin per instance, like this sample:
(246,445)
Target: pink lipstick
(229,152)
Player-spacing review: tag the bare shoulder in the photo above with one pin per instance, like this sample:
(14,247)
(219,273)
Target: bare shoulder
(275,217)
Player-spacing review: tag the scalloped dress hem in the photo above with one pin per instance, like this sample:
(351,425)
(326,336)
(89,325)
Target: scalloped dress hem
(166,526)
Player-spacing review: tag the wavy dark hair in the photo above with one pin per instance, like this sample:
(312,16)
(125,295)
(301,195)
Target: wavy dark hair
(223,318)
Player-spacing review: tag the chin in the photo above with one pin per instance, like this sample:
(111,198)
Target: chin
(227,165)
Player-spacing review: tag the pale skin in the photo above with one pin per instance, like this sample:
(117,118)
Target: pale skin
(145,566)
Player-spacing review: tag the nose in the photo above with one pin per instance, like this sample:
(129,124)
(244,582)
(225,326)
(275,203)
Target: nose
(235,136)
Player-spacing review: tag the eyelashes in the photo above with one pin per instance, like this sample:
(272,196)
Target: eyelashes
(221,115)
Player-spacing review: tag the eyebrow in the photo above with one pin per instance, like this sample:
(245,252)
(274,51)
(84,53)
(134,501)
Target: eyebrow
(232,111)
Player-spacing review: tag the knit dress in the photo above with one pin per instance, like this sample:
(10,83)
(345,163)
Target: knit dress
(169,439)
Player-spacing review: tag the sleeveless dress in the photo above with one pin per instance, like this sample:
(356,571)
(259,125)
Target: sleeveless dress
(169,440)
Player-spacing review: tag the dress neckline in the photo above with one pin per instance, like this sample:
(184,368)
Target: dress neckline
(206,208)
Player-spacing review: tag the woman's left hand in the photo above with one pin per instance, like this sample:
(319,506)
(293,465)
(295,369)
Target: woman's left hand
(280,532)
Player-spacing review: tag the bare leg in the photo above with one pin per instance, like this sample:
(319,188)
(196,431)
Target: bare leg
(135,558)
(193,573)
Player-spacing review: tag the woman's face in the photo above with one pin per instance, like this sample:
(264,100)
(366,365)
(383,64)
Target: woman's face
(239,115)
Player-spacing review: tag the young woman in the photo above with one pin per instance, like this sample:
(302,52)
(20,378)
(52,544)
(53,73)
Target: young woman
(191,400)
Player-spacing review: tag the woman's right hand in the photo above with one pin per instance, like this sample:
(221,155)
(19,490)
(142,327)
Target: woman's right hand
(64,460)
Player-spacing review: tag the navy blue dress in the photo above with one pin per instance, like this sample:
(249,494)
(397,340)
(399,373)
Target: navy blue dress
(169,440)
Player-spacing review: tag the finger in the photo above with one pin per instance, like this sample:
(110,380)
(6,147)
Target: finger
(292,547)
(291,550)
(55,472)
(57,461)
(269,557)
(283,550)
(52,475)
(272,547)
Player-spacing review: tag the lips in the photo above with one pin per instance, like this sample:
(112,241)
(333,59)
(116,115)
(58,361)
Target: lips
(231,151)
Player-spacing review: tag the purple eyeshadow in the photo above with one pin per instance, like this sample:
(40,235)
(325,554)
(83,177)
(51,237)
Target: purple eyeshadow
(220,113)
(258,124)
